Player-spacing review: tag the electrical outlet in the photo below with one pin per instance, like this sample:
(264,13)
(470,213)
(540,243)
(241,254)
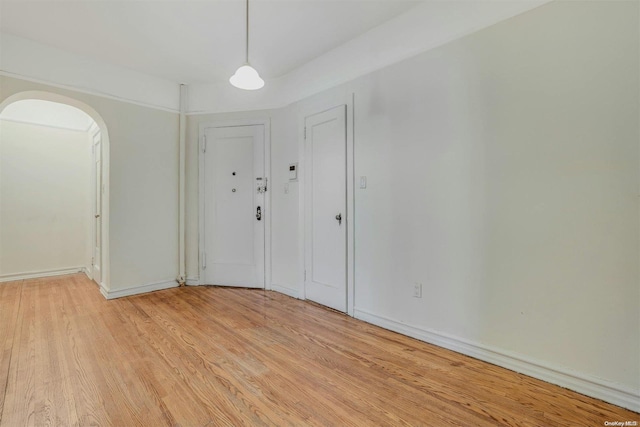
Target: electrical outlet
(417,290)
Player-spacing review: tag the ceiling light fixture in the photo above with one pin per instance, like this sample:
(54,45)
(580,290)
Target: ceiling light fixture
(246,77)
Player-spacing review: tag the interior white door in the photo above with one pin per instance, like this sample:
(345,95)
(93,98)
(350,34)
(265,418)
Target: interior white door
(325,208)
(234,209)
(97,211)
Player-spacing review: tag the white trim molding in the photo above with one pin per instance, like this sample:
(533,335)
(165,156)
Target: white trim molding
(193,281)
(86,91)
(135,290)
(287,290)
(29,60)
(42,273)
(595,387)
(87,271)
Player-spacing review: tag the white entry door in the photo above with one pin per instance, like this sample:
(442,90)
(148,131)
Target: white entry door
(234,206)
(325,208)
(97,211)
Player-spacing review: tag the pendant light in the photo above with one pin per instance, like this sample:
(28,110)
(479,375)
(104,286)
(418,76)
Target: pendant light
(246,77)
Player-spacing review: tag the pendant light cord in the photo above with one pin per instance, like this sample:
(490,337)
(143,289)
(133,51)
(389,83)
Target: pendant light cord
(247,46)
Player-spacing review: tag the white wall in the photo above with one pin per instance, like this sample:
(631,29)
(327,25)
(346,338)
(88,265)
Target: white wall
(143,188)
(503,175)
(47,113)
(28,60)
(44,198)
(284,211)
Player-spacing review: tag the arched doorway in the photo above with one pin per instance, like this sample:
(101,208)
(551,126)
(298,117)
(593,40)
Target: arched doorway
(99,177)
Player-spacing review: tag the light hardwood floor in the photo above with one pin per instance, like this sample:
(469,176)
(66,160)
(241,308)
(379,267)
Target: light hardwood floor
(205,356)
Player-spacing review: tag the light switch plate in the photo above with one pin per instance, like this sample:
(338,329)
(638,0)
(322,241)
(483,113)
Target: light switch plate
(363,182)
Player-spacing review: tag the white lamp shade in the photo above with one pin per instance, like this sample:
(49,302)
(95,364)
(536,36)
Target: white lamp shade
(247,78)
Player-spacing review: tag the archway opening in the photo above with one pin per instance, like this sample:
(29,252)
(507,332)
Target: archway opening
(53,188)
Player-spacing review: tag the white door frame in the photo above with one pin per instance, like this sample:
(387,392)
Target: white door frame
(319,107)
(93,131)
(267,197)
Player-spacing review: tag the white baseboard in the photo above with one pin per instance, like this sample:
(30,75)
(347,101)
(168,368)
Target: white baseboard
(135,290)
(38,274)
(285,290)
(87,272)
(193,281)
(595,387)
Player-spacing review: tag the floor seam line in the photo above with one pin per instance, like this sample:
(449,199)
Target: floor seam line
(13,343)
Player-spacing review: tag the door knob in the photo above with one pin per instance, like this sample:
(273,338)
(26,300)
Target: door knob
(339,218)
(258,213)
(97,215)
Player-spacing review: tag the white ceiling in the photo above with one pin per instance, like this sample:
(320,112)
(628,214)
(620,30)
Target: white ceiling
(197,42)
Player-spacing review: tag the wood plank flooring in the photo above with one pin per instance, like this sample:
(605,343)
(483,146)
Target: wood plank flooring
(205,356)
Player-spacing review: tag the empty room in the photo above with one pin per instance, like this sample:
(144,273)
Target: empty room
(319,213)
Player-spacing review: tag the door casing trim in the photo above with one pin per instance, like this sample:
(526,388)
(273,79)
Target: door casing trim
(95,193)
